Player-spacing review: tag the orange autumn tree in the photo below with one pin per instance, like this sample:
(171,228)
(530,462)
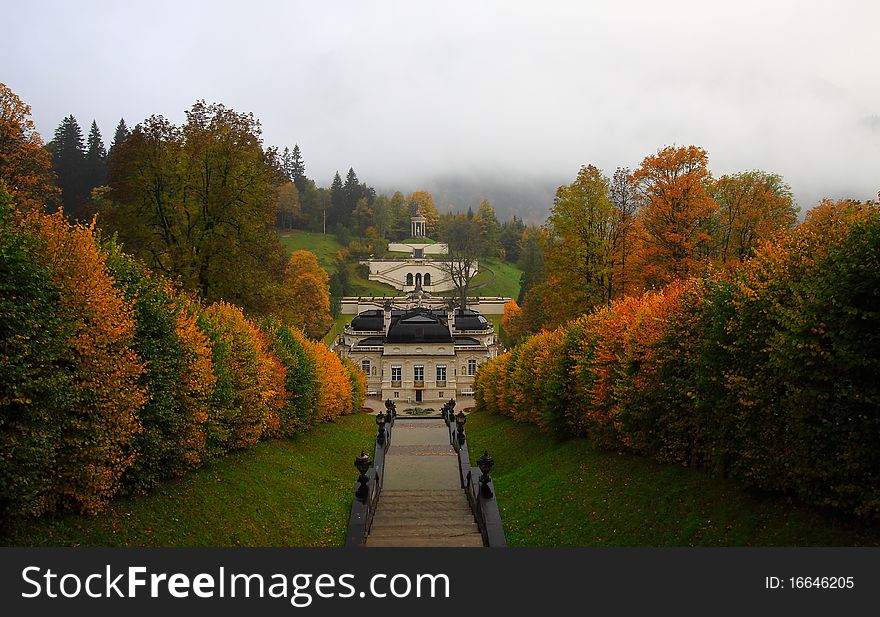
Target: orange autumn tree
(196,380)
(512,326)
(675,221)
(422,202)
(333,387)
(97,426)
(305,296)
(25,165)
(250,381)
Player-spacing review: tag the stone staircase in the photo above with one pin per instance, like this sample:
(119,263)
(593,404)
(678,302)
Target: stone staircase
(422,502)
(424,518)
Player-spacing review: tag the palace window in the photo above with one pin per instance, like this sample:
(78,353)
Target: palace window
(472,366)
(409,279)
(396,375)
(365,366)
(419,375)
(441,375)
(427,278)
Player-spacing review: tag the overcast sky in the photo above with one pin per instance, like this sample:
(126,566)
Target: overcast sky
(406,92)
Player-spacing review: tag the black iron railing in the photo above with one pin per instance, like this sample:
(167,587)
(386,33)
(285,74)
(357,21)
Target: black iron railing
(476,481)
(369,483)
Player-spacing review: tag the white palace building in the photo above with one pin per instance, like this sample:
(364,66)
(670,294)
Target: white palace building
(416,347)
(421,268)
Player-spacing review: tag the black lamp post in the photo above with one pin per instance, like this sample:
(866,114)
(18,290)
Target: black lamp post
(460,419)
(380,422)
(485,464)
(362,464)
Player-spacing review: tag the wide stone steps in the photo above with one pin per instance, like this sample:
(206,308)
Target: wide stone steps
(424,518)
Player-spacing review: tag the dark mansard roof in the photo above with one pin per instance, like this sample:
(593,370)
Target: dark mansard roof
(466,340)
(369,320)
(418,326)
(371,341)
(470,320)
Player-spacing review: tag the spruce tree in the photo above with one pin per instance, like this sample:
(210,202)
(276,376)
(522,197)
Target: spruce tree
(337,198)
(298,169)
(286,164)
(68,163)
(121,134)
(351,193)
(96,164)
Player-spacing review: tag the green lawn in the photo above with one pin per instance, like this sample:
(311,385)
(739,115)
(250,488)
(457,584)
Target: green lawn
(336,329)
(568,493)
(496,321)
(324,246)
(293,492)
(506,281)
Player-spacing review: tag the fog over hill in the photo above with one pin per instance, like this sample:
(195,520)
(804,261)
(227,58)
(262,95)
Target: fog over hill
(528,198)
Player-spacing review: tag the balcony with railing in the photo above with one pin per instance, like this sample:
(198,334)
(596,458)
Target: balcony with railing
(419,383)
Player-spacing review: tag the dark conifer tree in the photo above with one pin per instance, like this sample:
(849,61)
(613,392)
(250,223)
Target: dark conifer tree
(298,169)
(352,192)
(286,164)
(337,200)
(121,134)
(68,163)
(511,236)
(96,163)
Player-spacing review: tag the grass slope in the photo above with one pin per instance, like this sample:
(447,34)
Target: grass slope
(504,283)
(279,493)
(336,329)
(568,493)
(324,246)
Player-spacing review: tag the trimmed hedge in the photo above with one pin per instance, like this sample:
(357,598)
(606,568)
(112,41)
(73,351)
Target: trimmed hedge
(113,379)
(769,374)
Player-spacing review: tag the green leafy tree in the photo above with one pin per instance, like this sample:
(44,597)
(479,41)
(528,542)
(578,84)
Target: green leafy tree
(196,202)
(489,229)
(510,238)
(578,259)
(400,217)
(754,205)
(531,259)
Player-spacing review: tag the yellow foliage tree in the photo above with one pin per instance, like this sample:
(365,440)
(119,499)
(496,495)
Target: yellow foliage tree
(305,296)
(25,165)
(98,425)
